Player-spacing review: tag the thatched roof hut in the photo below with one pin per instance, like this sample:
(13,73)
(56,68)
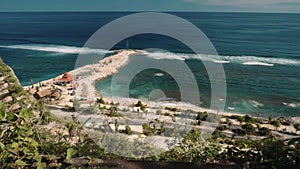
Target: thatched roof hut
(42,93)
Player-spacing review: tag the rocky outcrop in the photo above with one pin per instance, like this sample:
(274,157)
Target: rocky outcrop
(11,89)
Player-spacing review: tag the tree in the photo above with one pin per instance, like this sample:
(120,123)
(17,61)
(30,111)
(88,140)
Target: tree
(138,104)
(248,118)
(202,116)
(270,118)
(248,128)
(297,127)
(101,101)
(264,131)
(276,124)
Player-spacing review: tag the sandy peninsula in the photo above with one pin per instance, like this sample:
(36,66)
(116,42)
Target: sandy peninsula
(164,113)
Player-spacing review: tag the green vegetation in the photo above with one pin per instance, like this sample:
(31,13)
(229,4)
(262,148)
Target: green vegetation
(297,127)
(264,131)
(127,130)
(138,104)
(148,130)
(100,101)
(249,128)
(245,119)
(25,141)
(166,114)
(202,116)
(222,128)
(141,105)
(193,148)
(276,124)
(173,109)
(113,112)
(267,153)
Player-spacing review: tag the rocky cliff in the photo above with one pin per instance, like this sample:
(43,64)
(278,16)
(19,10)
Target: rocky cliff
(12,94)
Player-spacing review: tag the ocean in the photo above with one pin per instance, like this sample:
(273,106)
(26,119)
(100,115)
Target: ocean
(41,45)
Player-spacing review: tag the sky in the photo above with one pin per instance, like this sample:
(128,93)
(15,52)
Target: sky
(275,6)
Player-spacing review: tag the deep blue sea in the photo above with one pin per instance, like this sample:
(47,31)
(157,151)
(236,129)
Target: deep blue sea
(40,46)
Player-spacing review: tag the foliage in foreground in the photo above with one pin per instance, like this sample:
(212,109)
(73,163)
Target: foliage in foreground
(24,145)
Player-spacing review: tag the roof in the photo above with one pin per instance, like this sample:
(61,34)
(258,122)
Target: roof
(32,90)
(43,93)
(67,77)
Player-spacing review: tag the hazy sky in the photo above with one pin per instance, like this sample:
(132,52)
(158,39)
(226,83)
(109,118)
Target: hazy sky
(152,5)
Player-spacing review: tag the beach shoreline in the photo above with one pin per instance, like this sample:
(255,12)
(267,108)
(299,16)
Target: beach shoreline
(116,62)
(87,96)
(111,65)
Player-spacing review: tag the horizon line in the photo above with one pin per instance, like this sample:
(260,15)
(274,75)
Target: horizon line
(133,11)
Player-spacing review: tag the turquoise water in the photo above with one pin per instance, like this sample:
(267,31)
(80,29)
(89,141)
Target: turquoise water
(43,45)
(256,90)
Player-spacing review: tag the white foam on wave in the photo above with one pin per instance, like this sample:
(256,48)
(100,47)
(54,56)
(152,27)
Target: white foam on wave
(221,61)
(258,64)
(245,60)
(292,105)
(166,55)
(159,74)
(256,104)
(57,49)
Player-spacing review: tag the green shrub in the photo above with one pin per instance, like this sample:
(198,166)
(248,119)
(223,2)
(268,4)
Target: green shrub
(138,104)
(202,116)
(148,130)
(173,109)
(264,131)
(267,153)
(276,123)
(128,130)
(248,128)
(15,88)
(166,114)
(101,101)
(286,123)
(193,148)
(113,112)
(297,126)
(222,127)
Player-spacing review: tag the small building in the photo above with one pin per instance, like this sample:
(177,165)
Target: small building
(66,78)
(42,93)
(32,91)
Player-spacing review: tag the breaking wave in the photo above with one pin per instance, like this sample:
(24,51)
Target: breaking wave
(245,60)
(57,49)
(292,105)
